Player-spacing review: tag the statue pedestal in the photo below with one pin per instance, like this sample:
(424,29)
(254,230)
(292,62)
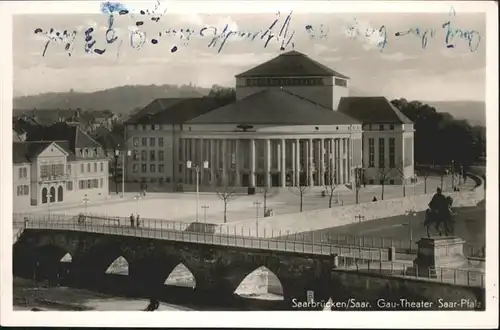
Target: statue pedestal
(439,252)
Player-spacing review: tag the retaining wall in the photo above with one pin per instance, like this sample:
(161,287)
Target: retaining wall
(344,215)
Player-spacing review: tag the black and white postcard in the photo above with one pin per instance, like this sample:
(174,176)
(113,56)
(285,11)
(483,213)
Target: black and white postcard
(259,158)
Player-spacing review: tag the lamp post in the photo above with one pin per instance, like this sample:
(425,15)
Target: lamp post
(49,196)
(205,207)
(257,203)
(137,198)
(414,183)
(123,153)
(452,174)
(85,201)
(189,164)
(410,214)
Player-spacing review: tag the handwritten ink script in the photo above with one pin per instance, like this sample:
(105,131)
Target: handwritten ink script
(279,31)
(379,36)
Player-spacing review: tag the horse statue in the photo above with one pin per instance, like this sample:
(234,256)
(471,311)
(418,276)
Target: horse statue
(440,217)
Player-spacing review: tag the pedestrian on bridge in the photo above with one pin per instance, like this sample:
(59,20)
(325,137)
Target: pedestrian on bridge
(132,220)
(137,220)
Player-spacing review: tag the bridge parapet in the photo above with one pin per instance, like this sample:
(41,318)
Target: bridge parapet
(156,230)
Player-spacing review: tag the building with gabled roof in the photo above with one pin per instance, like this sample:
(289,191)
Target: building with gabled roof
(292,123)
(59,164)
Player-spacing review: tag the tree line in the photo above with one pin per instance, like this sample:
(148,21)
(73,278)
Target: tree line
(441,139)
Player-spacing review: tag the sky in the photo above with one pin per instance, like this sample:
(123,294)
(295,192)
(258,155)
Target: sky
(403,68)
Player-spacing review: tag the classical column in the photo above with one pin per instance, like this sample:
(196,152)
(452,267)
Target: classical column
(334,161)
(182,160)
(278,155)
(212,161)
(252,163)
(282,162)
(310,159)
(202,153)
(267,162)
(297,162)
(223,154)
(294,162)
(237,165)
(321,173)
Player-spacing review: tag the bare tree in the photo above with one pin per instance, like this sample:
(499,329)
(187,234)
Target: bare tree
(266,192)
(402,175)
(383,175)
(358,178)
(330,184)
(226,193)
(300,189)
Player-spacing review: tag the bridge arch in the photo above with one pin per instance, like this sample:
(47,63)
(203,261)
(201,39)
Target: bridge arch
(101,258)
(181,276)
(261,283)
(51,262)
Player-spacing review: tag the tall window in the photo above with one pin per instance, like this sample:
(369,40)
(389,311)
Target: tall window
(69,169)
(136,142)
(381,153)
(88,167)
(391,127)
(82,168)
(161,155)
(161,168)
(152,168)
(144,168)
(371,152)
(152,155)
(144,155)
(160,142)
(392,152)
(95,167)
(152,141)
(102,167)
(381,127)
(135,155)
(69,185)
(135,168)
(144,142)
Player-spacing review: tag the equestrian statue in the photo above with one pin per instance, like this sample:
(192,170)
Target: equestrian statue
(439,213)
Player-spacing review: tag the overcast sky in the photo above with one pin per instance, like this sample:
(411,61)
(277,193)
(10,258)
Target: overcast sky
(402,69)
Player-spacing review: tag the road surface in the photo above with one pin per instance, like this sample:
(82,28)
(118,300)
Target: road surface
(470,225)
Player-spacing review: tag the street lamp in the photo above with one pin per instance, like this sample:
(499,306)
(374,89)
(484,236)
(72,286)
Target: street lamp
(205,207)
(85,201)
(137,198)
(189,164)
(117,154)
(257,203)
(49,196)
(410,214)
(453,174)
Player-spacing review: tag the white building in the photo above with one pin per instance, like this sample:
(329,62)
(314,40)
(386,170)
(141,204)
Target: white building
(292,123)
(53,171)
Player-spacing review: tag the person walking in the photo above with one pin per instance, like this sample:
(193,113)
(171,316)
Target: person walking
(137,220)
(132,220)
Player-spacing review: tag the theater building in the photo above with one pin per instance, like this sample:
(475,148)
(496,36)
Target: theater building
(290,125)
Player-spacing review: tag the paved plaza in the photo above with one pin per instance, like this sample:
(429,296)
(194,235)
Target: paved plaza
(182,206)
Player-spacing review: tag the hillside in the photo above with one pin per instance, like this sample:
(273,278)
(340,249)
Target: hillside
(120,100)
(124,99)
(473,111)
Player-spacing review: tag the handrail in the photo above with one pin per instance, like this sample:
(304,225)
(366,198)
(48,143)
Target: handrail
(228,239)
(455,276)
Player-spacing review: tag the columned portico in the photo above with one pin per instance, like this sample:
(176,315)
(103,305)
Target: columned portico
(267,161)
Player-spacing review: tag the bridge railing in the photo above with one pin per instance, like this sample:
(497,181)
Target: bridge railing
(157,230)
(456,276)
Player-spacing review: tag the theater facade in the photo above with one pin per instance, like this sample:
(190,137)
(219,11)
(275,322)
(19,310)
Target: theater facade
(293,123)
